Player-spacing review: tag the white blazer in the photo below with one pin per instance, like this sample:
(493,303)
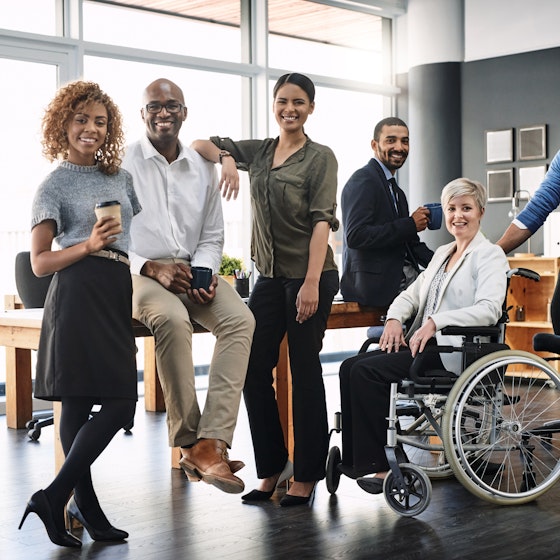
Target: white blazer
(472,293)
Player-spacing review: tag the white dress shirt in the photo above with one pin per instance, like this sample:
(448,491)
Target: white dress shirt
(181,207)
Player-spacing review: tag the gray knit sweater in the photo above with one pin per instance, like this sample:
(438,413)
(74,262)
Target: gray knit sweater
(68,196)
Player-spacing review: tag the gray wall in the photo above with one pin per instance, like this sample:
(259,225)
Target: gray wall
(508,92)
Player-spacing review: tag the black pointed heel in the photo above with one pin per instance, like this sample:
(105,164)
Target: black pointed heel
(288,500)
(262,495)
(39,504)
(257,496)
(109,534)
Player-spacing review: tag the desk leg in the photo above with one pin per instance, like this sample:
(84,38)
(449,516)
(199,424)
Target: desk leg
(284,395)
(58,452)
(19,405)
(153,394)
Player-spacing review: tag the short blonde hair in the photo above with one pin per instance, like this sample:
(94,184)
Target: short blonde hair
(464,187)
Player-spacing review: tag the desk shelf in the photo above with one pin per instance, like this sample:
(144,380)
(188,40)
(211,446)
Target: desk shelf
(535,299)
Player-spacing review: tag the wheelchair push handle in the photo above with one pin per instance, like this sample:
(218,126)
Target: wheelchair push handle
(524,273)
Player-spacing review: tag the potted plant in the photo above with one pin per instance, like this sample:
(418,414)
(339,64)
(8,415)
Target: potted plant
(228,267)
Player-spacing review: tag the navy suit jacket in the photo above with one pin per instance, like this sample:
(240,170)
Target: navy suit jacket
(376,238)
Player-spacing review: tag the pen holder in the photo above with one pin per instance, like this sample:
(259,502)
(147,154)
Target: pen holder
(242,286)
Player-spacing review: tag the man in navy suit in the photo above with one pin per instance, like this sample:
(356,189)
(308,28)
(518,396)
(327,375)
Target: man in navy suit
(382,252)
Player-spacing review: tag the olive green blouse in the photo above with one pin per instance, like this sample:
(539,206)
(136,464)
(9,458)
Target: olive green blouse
(287,202)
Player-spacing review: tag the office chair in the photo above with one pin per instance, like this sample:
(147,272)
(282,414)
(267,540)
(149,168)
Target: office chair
(32,291)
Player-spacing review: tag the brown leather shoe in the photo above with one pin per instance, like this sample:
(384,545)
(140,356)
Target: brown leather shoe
(207,460)
(233,464)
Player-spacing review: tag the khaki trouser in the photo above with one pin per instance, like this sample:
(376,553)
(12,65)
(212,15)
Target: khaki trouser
(167,315)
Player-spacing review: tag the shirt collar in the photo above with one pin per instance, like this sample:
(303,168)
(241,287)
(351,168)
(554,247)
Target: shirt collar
(388,174)
(148,150)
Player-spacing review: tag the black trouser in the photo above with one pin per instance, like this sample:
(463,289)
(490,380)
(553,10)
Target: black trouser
(272,302)
(365,386)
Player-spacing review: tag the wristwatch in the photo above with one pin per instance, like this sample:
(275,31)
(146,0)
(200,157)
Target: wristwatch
(223,154)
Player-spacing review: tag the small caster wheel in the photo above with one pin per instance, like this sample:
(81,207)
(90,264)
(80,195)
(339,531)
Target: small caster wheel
(415,499)
(333,474)
(34,434)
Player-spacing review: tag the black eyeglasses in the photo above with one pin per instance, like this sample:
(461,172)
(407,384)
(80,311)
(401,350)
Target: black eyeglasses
(171,107)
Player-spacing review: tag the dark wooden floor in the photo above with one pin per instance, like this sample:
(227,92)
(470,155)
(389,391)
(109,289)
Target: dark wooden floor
(169,518)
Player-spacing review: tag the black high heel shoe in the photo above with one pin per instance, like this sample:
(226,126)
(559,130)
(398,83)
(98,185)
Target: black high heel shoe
(288,500)
(39,504)
(110,534)
(257,496)
(263,495)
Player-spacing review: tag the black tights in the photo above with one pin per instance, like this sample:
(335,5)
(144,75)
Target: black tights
(83,440)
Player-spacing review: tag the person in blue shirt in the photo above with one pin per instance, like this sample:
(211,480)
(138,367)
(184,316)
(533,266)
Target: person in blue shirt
(545,200)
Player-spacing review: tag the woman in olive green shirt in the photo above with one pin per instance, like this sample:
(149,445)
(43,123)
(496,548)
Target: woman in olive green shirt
(293,199)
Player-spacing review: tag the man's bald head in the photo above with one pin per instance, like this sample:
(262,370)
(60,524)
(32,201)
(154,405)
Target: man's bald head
(165,86)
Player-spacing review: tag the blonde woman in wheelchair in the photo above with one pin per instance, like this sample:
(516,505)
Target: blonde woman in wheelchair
(464,284)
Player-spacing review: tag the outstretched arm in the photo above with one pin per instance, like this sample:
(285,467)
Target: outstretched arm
(229,181)
(513,237)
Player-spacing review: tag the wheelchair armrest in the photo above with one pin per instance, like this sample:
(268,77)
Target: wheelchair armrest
(420,375)
(470,332)
(367,343)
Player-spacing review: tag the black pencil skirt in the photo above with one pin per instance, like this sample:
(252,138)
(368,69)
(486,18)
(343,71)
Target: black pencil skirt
(87,346)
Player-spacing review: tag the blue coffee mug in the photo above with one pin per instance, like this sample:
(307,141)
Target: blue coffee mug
(436,215)
(202,277)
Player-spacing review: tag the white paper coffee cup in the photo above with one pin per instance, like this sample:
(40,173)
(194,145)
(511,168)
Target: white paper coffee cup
(109,208)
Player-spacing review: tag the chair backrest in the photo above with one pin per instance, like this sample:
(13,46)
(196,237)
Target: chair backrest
(32,290)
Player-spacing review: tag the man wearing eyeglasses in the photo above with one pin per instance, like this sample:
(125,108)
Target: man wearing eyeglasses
(182,227)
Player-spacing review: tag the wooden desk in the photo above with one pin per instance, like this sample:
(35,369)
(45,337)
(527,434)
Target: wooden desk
(20,330)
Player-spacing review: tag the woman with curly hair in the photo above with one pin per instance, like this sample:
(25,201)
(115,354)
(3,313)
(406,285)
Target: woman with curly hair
(86,351)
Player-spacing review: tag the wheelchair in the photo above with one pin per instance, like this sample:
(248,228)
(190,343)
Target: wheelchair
(495,427)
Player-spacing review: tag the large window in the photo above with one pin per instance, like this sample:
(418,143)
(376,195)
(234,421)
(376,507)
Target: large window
(21,161)
(31,16)
(187,30)
(308,36)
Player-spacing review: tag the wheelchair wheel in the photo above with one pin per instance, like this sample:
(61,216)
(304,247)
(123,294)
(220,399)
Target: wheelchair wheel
(418,487)
(333,474)
(501,427)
